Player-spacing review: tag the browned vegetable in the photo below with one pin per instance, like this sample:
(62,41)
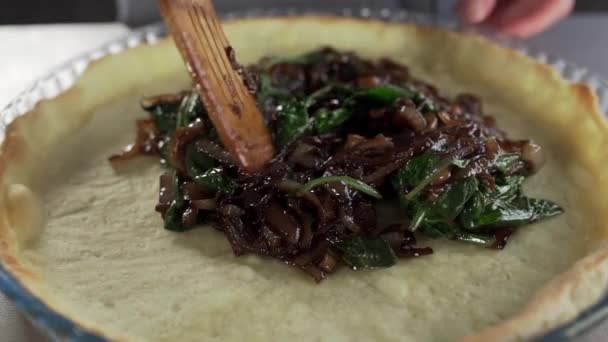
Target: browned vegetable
(354,132)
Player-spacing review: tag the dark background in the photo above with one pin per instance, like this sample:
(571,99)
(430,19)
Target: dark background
(45,11)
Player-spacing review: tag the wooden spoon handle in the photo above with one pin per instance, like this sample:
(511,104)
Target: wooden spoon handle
(232,109)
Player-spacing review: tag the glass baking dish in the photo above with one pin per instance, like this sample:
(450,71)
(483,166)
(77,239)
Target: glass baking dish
(63,77)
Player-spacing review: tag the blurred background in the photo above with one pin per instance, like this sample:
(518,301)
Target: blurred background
(60,29)
(138,12)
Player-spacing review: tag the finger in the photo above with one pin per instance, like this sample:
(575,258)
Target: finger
(474,11)
(525,18)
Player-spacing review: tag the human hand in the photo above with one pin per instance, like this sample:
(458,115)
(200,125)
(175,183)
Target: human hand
(521,18)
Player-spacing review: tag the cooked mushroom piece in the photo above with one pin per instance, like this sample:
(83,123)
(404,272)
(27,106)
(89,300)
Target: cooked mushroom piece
(406,114)
(532,154)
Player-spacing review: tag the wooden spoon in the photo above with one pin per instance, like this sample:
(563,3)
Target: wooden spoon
(232,109)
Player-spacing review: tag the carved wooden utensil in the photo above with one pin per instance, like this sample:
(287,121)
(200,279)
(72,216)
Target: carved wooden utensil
(232,109)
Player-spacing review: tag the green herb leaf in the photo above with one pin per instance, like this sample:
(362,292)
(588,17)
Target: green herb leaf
(419,172)
(349,181)
(327,120)
(324,119)
(505,162)
(164,116)
(452,201)
(200,168)
(189,109)
(421,168)
(169,116)
(196,161)
(266,89)
(436,219)
(293,121)
(364,253)
(215,180)
(340,91)
(386,94)
(389,93)
(173,215)
(426,104)
(505,207)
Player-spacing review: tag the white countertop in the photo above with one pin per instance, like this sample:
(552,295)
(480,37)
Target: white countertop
(29,52)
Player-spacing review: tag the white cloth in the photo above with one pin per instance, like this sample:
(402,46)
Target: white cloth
(29,52)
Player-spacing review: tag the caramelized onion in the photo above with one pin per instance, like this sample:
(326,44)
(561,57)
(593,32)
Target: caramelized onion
(204,204)
(181,137)
(282,223)
(411,117)
(192,191)
(145,142)
(189,217)
(328,263)
(214,151)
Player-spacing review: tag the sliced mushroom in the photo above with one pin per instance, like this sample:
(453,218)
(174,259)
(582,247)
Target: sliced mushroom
(533,156)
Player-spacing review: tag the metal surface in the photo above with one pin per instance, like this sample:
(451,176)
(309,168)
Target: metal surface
(61,328)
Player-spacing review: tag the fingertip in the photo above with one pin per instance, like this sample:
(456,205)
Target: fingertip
(524,19)
(474,11)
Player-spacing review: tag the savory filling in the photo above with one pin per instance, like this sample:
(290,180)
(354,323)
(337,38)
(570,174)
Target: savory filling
(352,136)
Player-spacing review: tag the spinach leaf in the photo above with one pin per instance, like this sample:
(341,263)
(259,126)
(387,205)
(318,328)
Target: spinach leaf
(349,181)
(366,253)
(294,118)
(189,109)
(215,180)
(173,215)
(420,168)
(436,218)
(389,93)
(337,90)
(506,206)
(293,121)
(425,103)
(505,162)
(266,89)
(419,172)
(201,169)
(170,116)
(196,161)
(164,116)
(327,120)
(386,94)
(452,201)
